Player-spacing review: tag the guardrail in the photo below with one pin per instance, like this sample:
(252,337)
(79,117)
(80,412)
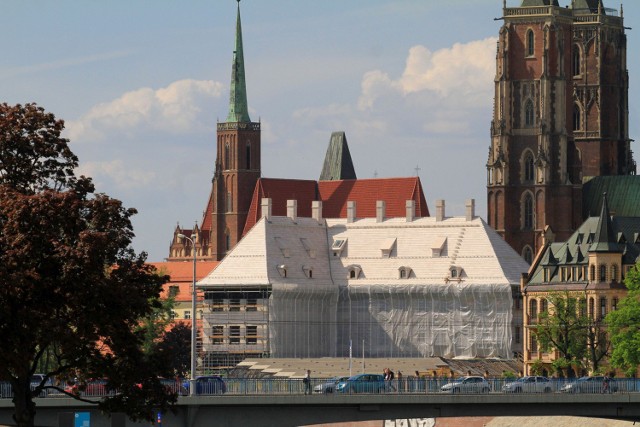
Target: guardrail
(296,386)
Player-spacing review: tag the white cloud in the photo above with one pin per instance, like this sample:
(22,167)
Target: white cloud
(458,74)
(176,108)
(124,177)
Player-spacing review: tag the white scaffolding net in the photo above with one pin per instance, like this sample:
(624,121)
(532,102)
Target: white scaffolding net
(450,320)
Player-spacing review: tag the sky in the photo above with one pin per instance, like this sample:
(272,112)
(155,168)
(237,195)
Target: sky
(141,85)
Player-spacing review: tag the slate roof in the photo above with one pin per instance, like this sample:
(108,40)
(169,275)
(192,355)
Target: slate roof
(527,3)
(337,162)
(623,195)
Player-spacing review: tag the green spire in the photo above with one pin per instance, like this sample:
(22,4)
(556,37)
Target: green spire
(238,109)
(605,239)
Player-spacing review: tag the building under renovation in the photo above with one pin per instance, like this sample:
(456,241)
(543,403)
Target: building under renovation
(371,287)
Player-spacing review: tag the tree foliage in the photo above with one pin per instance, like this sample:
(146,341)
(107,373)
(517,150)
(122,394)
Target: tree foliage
(624,326)
(73,292)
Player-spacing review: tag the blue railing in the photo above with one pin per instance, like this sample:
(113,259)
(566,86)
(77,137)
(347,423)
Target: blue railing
(289,386)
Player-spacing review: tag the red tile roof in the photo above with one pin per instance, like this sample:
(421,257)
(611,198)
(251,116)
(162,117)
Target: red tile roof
(183,271)
(335,195)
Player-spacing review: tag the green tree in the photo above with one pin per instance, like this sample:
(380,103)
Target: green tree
(175,348)
(624,326)
(564,327)
(72,291)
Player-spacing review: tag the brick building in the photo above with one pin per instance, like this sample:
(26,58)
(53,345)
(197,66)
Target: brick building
(560,118)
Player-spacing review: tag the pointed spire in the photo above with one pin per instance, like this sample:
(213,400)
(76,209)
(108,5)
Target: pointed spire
(238,108)
(605,239)
(337,162)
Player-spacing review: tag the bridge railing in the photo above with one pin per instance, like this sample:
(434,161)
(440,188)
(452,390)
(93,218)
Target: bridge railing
(319,386)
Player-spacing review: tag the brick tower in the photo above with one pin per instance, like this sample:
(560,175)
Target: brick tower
(237,168)
(560,116)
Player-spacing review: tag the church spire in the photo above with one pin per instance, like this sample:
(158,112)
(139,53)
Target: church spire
(238,108)
(605,239)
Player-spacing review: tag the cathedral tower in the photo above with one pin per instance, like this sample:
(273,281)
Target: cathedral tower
(560,115)
(238,161)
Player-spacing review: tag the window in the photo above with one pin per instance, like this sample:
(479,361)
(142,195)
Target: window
(533,310)
(217,305)
(591,308)
(614,304)
(603,273)
(187,314)
(352,274)
(282,269)
(405,272)
(234,305)
(251,337)
(576,60)
(577,117)
(252,305)
(529,119)
(614,273)
(533,343)
(248,155)
(337,246)
(592,273)
(543,305)
(603,307)
(517,335)
(227,157)
(527,212)
(528,167)
(530,43)
(228,241)
(217,334)
(234,334)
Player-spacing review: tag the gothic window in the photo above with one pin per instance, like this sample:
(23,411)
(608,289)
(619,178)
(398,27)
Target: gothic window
(527,254)
(577,117)
(614,304)
(530,43)
(248,154)
(614,273)
(527,214)
(528,114)
(591,308)
(528,167)
(576,60)
(227,157)
(592,273)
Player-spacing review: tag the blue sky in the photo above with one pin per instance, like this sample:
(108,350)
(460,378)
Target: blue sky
(142,83)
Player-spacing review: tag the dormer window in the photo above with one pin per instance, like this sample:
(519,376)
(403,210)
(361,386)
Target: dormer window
(591,237)
(283,248)
(308,271)
(354,271)
(405,272)
(282,270)
(387,246)
(579,238)
(455,273)
(438,246)
(337,246)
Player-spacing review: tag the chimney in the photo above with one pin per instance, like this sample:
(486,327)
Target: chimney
(380,210)
(471,209)
(439,210)
(411,210)
(316,210)
(292,209)
(351,211)
(266,208)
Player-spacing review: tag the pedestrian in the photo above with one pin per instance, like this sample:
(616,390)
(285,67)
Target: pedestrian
(307,382)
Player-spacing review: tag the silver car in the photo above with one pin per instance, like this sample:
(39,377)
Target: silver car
(529,384)
(329,386)
(597,384)
(467,385)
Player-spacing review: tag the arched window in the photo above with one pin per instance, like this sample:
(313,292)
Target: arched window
(577,117)
(527,214)
(527,254)
(528,114)
(544,306)
(591,307)
(603,273)
(528,167)
(533,310)
(614,273)
(352,274)
(530,43)
(248,155)
(227,157)
(592,273)
(403,273)
(576,60)
(614,304)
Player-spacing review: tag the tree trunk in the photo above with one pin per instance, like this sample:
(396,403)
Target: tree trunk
(25,409)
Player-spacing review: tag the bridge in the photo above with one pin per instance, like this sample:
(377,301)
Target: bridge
(300,410)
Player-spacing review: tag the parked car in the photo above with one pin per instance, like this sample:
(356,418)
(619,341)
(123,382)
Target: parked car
(362,383)
(329,386)
(208,384)
(6,389)
(597,384)
(469,384)
(529,384)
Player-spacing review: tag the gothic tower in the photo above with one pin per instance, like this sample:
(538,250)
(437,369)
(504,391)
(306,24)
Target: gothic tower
(560,113)
(237,164)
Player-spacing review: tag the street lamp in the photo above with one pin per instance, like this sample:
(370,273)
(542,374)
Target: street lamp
(192,380)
